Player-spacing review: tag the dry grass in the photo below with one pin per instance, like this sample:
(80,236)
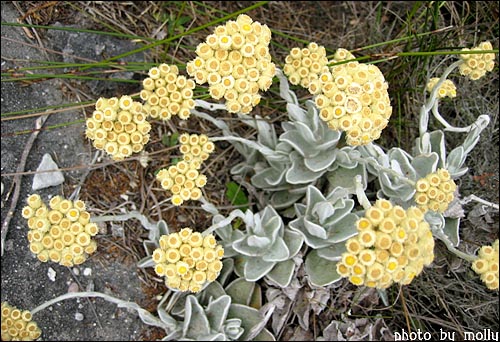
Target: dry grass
(446,296)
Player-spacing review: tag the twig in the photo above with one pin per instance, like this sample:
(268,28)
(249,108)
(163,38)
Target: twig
(17,179)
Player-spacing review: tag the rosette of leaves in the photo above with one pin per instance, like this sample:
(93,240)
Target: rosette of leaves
(326,223)
(302,153)
(265,248)
(221,312)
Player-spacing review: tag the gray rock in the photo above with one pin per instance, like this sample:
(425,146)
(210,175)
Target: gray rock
(46,179)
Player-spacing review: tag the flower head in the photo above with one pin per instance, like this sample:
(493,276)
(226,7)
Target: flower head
(351,97)
(18,325)
(236,63)
(447,88)
(475,66)
(118,126)
(435,191)
(393,246)
(61,233)
(188,260)
(486,265)
(167,93)
(304,65)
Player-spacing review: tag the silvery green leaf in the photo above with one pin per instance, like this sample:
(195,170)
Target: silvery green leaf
(250,318)
(435,219)
(296,113)
(256,268)
(424,143)
(240,291)
(340,212)
(403,160)
(166,318)
(312,113)
(395,189)
(269,177)
(332,252)
(438,146)
(195,320)
(313,196)
(227,269)
(451,230)
(233,329)
(216,312)
(306,132)
(314,230)
(277,252)
(146,262)
(282,273)
(456,158)
(294,241)
(267,135)
(424,164)
(264,335)
(320,162)
(322,211)
(147,317)
(285,92)
(473,136)
(150,246)
(297,141)
(258,241)
(342,157)
(337,194)
(343,230)
(345,178)
(283,199)
(242,246)
(320,271)
(163,228)
(299,173)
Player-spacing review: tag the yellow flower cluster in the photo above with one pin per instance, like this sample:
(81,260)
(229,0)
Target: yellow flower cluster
(236,63)
(167,93)
(392,246)
(118,126)
(353,97)
(184,179)
(447,88)
(17,325)
(62,233)
(303,65)
(475,66)
(188,259)
(435,191)
(486,265)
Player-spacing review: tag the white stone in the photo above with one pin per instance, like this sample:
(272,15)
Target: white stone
(46,179)
(51,274)
(87,272)
(78,316)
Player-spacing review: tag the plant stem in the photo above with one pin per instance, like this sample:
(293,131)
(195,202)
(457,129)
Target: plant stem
(133,214)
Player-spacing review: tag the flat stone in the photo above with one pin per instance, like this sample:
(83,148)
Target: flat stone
(47,179)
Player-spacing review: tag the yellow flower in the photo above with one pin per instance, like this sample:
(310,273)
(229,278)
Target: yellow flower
(475,66)
(60,230)
(486,265)
(118,127)
(18,325)
(447,88)
(392,246)
(188,259)
(435,191)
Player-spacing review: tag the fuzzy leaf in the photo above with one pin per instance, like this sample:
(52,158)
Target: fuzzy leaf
(297,141)
(282,273)
(216,312)
(294,241)
(284,199)
(195,321)
(256,268)
(425,164)
(344,178)
(320,162)
(299,173)
(267,178)
(321,272)
(332,252)
(438,146)
(296,113)
(343,229)
(240,291)
(252,247)
(452,230)
(314,229)
(277,252)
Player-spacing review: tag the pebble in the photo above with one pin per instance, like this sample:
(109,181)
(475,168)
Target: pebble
(87,271)
(79,316)
(51,274)
(47,179)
